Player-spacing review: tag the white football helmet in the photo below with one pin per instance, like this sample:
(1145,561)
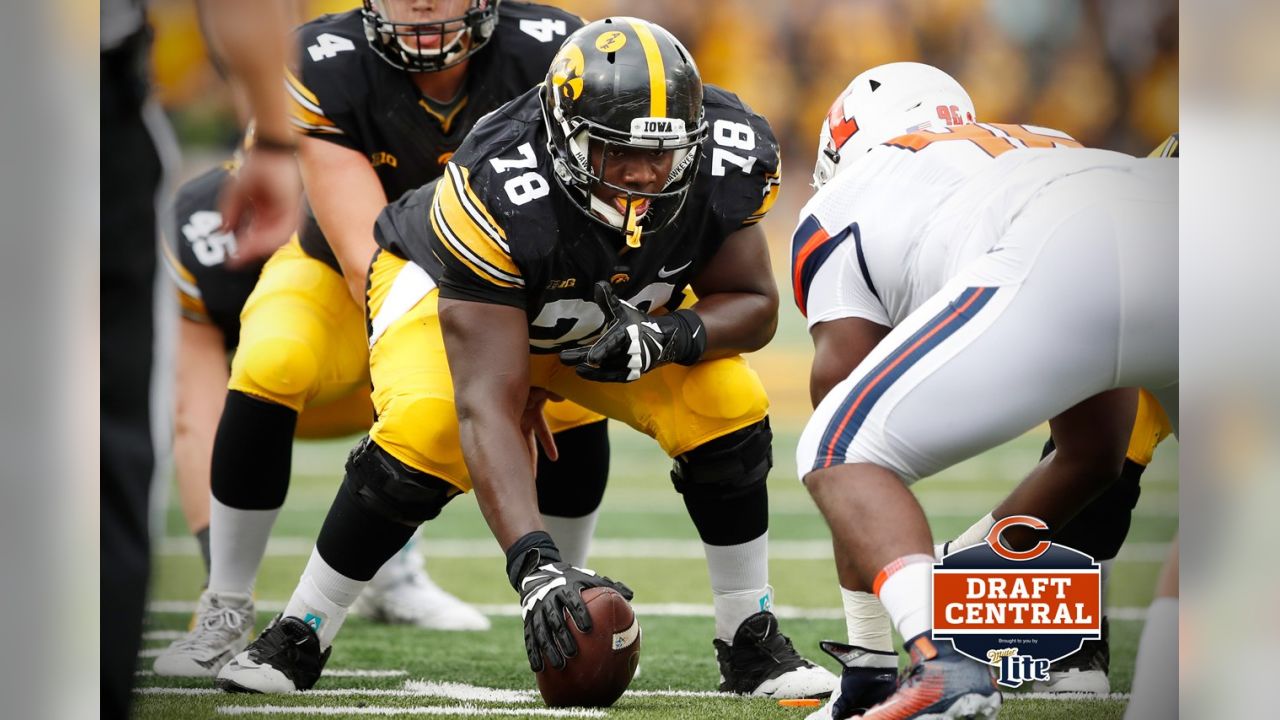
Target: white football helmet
(883,103)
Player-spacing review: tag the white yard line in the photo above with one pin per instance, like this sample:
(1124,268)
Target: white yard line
(1064,697)
(465,710)
(786,612)
(476,693)
(329,673)
(644,548)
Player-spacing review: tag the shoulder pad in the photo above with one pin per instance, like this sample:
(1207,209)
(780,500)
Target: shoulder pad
(330,77)
(740,161)
(532,34)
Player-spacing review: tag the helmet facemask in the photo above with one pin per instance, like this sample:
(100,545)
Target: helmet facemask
(632,211)
(429,46)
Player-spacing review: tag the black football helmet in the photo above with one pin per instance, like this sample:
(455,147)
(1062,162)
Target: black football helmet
(626,82)
(400,43)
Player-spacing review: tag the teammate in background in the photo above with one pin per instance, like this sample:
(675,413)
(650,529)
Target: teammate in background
(616,178)
(211,295)
(1099,530)
(382,97)
(131,175)
(949,312)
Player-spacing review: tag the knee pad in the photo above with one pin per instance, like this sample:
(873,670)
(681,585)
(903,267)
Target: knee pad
(282,369)
(387,487)
(1101,527)
(729,466)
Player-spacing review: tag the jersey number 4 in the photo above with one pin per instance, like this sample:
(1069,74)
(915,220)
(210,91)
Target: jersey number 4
(327,45)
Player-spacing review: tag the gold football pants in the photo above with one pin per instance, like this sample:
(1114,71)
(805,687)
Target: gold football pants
(680,407)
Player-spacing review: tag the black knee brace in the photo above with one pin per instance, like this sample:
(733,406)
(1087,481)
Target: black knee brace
(723,484)
(730,465)
(1102,526)
(389,488)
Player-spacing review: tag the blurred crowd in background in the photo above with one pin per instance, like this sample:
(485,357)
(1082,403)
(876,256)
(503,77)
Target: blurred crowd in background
(1105,71)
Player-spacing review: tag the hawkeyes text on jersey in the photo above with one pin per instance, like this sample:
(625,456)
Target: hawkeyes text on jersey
(345,93)
(195,254)
(498,230)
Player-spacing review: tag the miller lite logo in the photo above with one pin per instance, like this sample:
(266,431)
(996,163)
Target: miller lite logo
(1017,610)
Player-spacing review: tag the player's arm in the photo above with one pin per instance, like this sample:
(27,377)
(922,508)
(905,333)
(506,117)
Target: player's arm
(200,389)
(251,38)
(838,347)
(737,296)
(346,197)
(488,350)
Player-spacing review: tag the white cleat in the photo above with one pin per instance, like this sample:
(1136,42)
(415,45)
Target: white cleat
(403,593)
(221,628)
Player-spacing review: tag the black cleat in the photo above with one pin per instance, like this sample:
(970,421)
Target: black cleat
(763,663)
(285,658)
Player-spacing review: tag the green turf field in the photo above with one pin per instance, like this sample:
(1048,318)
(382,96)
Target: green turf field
(645,539)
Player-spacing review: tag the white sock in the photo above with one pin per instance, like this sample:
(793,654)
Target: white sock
(572,536)
(739,582)
(977,533)
(905,586)
(1155,672)
(237,542)
(322,598)
(867,621)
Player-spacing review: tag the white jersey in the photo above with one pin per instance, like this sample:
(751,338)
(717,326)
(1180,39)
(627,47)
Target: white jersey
(889,232)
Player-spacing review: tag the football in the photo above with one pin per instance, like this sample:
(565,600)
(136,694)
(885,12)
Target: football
(607,656)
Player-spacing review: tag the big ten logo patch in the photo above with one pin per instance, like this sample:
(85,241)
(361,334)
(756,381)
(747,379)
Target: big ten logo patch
(1017,610)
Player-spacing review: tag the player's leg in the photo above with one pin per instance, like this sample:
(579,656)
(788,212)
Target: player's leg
(292,326)
(131,174)
(1155,671)
(401,592)
(401,475)
(711,419)
(571,488)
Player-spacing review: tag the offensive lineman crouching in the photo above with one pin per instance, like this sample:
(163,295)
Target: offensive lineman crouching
(616,178)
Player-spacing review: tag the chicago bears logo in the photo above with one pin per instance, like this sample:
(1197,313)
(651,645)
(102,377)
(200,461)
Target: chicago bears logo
(1019,610)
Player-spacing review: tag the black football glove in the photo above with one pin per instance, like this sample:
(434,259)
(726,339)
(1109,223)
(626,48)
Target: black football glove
(634,343)
(548,587)
(862,686)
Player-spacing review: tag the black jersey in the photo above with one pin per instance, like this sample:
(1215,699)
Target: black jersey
(498,229)
(344,92)
(196,253)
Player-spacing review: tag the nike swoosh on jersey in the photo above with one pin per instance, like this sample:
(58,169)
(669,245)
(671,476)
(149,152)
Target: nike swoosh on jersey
(665,273)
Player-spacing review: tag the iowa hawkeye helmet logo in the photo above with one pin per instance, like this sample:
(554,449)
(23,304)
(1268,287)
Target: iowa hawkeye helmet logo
(566,71)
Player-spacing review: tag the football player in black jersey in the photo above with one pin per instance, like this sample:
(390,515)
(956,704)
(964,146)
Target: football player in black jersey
(381,96)
(552,262)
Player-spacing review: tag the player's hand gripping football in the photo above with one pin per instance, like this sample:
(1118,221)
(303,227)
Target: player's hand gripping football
(633,342)
(548,587)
